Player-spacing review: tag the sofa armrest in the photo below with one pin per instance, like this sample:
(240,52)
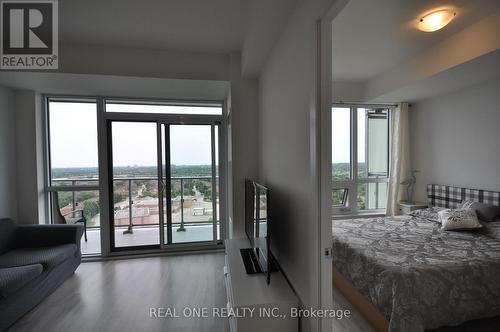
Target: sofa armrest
(32,236)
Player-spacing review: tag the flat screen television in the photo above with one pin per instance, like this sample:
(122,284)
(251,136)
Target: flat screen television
(257,228)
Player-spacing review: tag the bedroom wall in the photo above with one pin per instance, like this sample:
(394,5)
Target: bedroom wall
(8,206)
(456,139)
(347,92)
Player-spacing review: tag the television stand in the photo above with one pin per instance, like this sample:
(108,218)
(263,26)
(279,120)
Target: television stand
(251,291)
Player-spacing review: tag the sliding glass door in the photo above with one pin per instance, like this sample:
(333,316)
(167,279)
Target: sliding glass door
(164,182)
(193,183)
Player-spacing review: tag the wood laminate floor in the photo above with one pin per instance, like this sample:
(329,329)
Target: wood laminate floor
(117,296)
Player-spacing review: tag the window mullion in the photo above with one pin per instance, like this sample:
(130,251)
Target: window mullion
(354,162)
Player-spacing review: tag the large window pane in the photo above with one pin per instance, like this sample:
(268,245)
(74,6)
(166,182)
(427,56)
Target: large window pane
(73,143)
(372,196)
(378,143)
(373,142)
(72,204)
(341,143)
(73,158)
(361,148)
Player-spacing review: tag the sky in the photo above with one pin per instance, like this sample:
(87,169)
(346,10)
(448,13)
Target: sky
(135,144)
(341,131)
(73,134)
(73,140)
(162,109)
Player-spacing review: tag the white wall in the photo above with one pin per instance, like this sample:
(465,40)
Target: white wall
(456,139)
(347,92)
(287,147)
(8,206)
(265,21)
(122,61)
(115,85)
(29,158)
(243,142)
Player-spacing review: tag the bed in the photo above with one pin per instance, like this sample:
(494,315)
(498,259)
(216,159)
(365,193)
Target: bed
(413,276)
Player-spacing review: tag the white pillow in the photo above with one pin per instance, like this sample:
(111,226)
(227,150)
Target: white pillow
(458,219)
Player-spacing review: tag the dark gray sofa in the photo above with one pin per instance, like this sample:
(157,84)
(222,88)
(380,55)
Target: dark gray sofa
(34,261)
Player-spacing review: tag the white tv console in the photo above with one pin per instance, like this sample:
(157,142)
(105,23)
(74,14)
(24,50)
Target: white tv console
(253,302)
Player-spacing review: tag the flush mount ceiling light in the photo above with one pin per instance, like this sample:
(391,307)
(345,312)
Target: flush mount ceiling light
(436,20)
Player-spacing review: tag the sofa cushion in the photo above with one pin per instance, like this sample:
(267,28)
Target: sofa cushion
(7,228)
(47,256)
(13,278)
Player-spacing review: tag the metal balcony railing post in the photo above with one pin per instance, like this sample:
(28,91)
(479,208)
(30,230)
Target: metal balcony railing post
(130,202)
(181,228)
(73,200)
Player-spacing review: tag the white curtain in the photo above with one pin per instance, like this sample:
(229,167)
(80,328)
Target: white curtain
(400,156)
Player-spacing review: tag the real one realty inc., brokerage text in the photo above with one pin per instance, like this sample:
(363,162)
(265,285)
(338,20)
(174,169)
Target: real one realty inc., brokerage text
(242,312)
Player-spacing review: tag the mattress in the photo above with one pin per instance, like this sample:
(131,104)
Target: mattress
(418,276)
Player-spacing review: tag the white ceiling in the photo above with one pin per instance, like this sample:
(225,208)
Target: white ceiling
(212,26)
(481,69)
(370,37)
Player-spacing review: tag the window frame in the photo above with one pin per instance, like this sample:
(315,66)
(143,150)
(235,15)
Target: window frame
(351,184)
(222,121)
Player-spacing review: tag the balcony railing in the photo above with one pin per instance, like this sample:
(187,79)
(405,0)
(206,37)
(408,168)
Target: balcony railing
(128,209)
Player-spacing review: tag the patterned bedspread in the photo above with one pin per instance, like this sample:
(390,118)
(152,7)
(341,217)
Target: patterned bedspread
(417,275)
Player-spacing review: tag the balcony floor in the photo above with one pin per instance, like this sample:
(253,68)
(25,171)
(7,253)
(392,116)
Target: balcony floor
(146,235)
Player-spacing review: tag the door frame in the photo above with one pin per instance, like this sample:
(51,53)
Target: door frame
(110,207)
(162,148)
(323,157)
